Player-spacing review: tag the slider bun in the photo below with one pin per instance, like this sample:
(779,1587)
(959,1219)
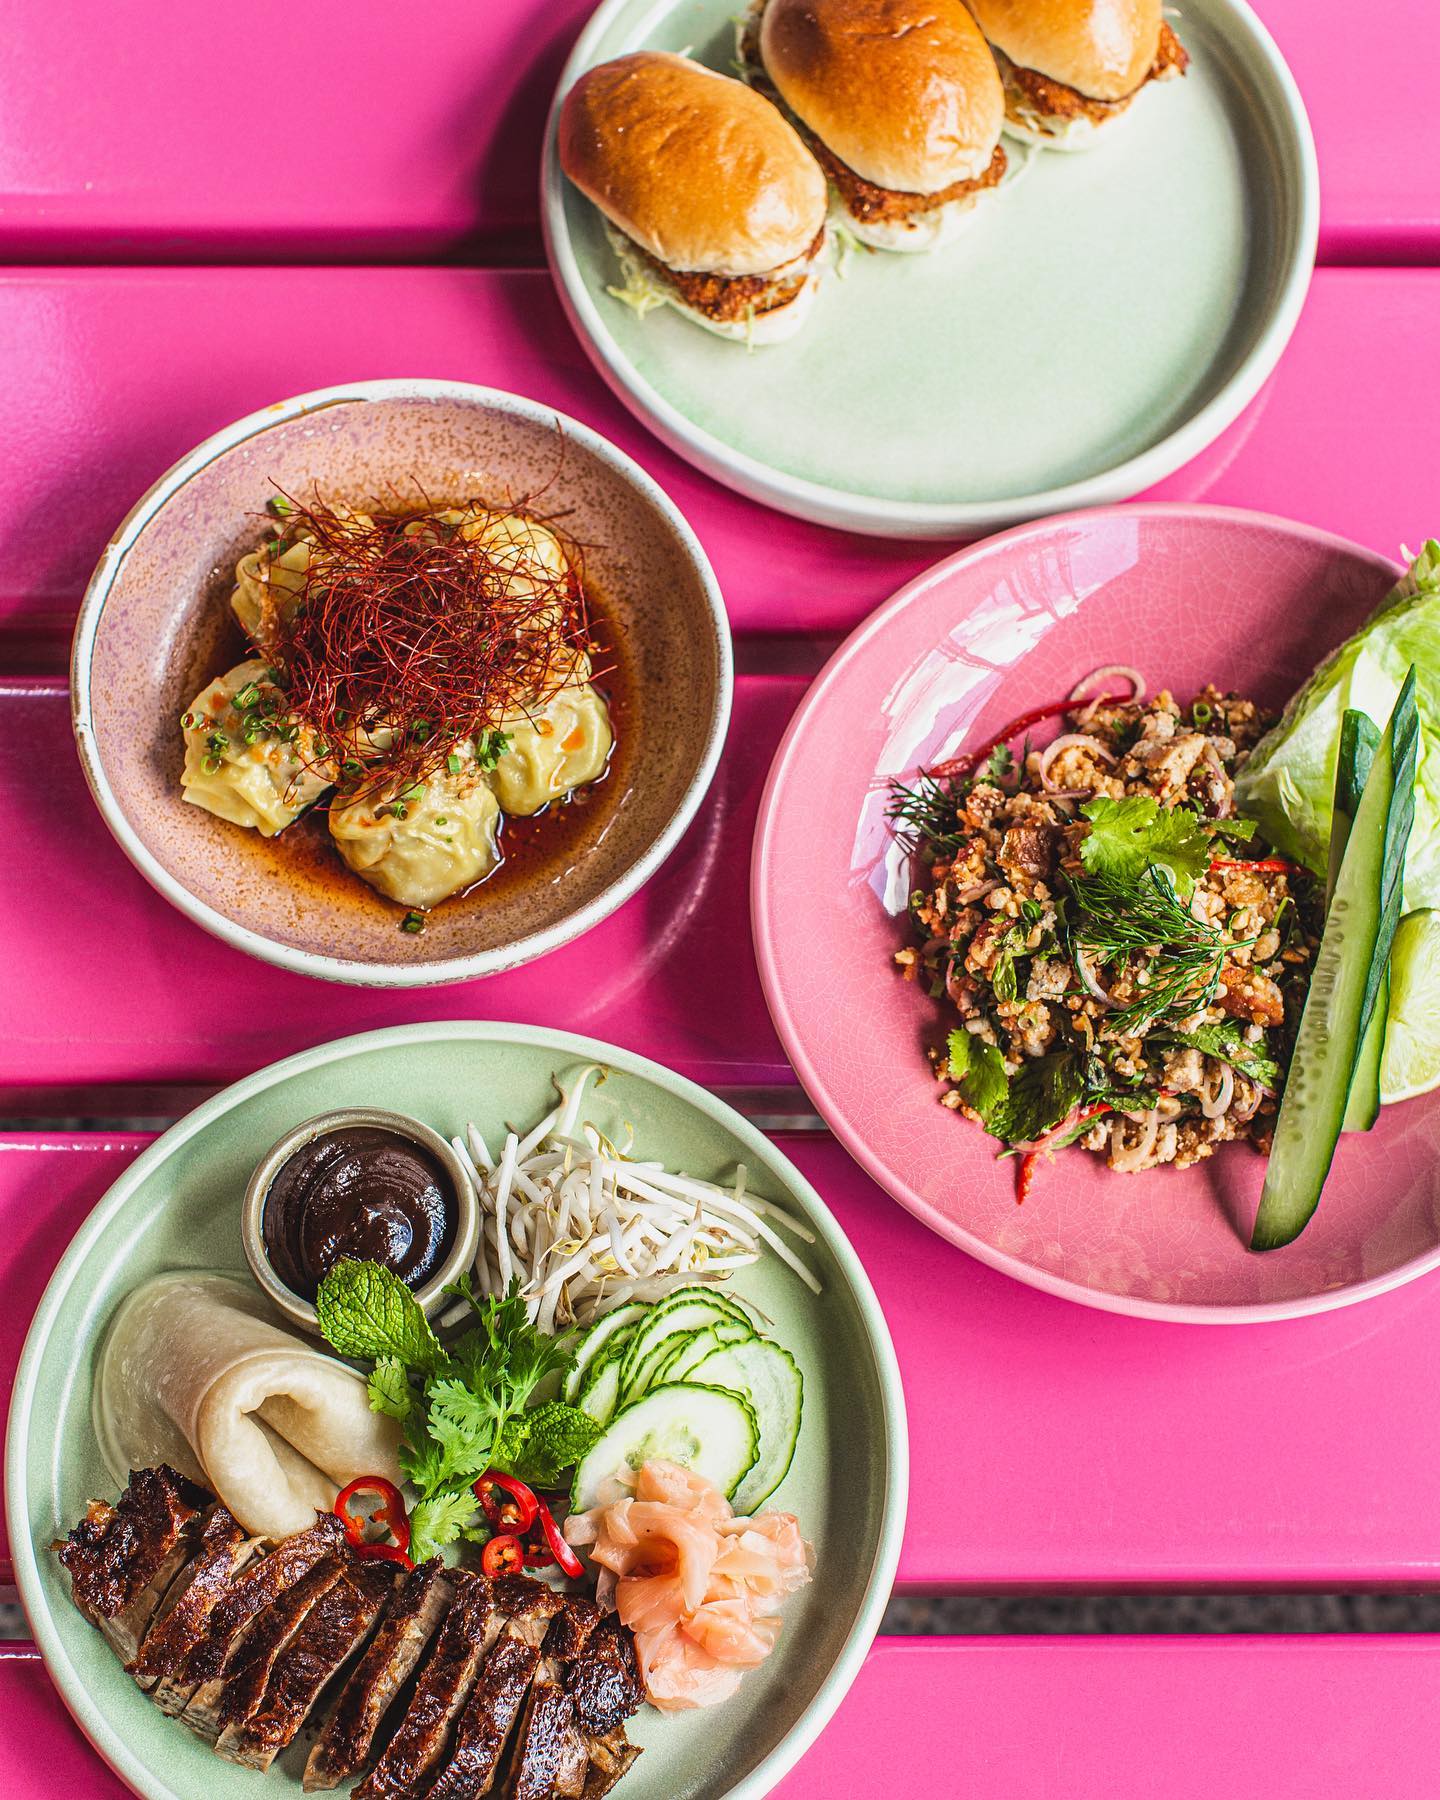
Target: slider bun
(904,92)
(1102,48)
(699,170)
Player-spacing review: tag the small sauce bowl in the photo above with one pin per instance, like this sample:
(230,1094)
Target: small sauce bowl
(465,1240)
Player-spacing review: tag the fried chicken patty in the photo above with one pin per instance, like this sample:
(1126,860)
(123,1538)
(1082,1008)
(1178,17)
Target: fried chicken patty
(1032,96)
(730,298)
(874,205)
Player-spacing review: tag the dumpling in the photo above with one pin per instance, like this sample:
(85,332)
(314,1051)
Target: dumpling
(421,842)
(561,745)
(529,557)
(247,758)
(267,589)
(270,581)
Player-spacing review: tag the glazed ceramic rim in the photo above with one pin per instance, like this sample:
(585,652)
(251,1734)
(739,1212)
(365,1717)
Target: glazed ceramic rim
(877,516)
(353,970)
(889,614)
(895,1449)
(284,1299)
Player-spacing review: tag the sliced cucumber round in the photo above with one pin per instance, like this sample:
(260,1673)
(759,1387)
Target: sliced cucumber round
(670,1320)
(707,1429)
(600,1396)
(769,1379)
(682,1356)
(715,1294)
(602,1335)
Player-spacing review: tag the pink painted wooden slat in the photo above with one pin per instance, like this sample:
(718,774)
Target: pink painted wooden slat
(1078,1718)
(106,982)
(279,131)
(282,131)
(1052,1447)
(109,376)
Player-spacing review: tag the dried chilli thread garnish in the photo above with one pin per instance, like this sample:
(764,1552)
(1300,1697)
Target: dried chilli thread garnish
(427,633)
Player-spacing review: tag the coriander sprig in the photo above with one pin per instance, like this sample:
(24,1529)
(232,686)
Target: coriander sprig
(461,1406)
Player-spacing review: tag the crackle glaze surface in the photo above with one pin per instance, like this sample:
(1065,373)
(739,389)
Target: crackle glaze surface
(1190,595)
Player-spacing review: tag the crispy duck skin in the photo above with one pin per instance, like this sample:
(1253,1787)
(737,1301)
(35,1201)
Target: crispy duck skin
(525,1610)
(335,1629)
(405,1766)
(249,1594)
(411,1620)
(552,1753)
(224,1550)
(549,1756)
(605,1683)
(487,1721)
(522,1693)
(230,1697)
(122,1558)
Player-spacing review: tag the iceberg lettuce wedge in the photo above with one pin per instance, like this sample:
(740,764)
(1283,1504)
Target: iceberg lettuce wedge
(1289,782)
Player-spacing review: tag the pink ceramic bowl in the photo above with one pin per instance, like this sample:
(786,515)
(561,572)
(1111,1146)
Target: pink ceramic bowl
(154,629)
(1190,594)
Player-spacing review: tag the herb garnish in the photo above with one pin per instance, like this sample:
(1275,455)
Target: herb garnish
(1128,836)
(927,814)
(1227,1043)
(462,1407)
(1111,918)
(490,746)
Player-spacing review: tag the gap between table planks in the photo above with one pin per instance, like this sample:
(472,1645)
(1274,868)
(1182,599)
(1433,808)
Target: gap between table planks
(1053,1448)
(412,141)
(1018,1719)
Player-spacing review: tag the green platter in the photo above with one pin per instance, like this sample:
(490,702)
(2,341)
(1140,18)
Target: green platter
(179,1206)
(1099,322)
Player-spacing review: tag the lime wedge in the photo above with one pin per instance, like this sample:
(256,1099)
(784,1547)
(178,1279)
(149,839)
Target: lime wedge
(1411,1063)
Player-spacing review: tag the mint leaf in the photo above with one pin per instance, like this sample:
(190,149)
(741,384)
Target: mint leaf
(1127,836)
(439,1520)
(1232,831)
(537,1447)
(366,1311)
(1017,1108)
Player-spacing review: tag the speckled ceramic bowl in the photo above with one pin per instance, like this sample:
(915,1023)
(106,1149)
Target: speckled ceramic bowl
(154,627)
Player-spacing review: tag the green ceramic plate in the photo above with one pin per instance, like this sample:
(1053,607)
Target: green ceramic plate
(179,1206)
(1097,324)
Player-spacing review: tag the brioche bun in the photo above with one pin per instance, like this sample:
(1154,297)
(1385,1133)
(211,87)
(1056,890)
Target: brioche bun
(904,92)
(699,170)
(1102,48)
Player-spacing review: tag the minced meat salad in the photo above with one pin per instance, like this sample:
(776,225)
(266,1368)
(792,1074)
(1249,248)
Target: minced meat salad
(1128,963)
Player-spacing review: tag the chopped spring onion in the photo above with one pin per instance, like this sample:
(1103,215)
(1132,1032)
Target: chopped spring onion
(584,1226)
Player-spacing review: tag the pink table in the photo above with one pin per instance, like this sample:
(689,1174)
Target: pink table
(1054,1449)
(419,132)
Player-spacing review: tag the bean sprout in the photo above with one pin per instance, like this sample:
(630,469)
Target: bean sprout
(584,1226)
